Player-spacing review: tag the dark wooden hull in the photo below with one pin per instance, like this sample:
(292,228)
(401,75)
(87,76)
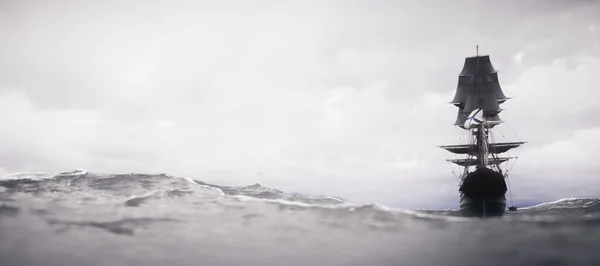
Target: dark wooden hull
(482,207)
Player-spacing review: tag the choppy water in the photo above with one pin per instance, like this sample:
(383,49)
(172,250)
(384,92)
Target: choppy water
(83,218)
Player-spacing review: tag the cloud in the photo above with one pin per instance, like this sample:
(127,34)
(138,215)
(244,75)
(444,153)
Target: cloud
(554,109)
(553,100)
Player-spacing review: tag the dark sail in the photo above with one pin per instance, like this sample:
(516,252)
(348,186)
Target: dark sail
(474,162)
(478,87)
(472,64)
(471,149)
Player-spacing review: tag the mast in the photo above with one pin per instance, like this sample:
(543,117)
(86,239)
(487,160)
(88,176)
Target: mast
(482,154)
(482,134)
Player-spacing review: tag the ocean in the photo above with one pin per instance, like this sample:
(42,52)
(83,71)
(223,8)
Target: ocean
(82,218)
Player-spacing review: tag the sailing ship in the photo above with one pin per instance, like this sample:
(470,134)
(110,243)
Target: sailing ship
(482,180)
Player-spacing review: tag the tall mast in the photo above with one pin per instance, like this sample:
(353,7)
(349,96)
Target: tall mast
(481,130)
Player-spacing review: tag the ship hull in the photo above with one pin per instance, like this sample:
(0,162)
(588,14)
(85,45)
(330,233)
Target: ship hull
(482,207)
(482,194)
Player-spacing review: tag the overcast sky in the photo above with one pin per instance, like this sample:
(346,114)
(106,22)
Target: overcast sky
(341,98)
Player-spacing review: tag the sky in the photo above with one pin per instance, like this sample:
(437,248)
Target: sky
(338,98)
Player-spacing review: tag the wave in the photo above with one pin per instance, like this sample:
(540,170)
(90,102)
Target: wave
(260,191)
(138,189)
(565,203)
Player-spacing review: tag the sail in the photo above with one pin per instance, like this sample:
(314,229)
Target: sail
(478,87)
(472,64)
(471,149)
(494,85)
(461,149)
(464,88)
(474,162)
(467,85)
(489,104)
(462,117)
(502,147)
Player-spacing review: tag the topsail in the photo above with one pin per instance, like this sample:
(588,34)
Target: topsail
(478,87)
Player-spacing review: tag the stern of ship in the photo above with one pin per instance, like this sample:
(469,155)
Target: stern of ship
(482,207)
(482,194)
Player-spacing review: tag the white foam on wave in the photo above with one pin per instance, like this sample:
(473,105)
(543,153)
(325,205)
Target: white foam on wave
(254,185)
(297,203)
(554,202)
(76,172)
(194,183)
(325,198)
(41,175)
(27,175)
(155,192)
(220,191)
